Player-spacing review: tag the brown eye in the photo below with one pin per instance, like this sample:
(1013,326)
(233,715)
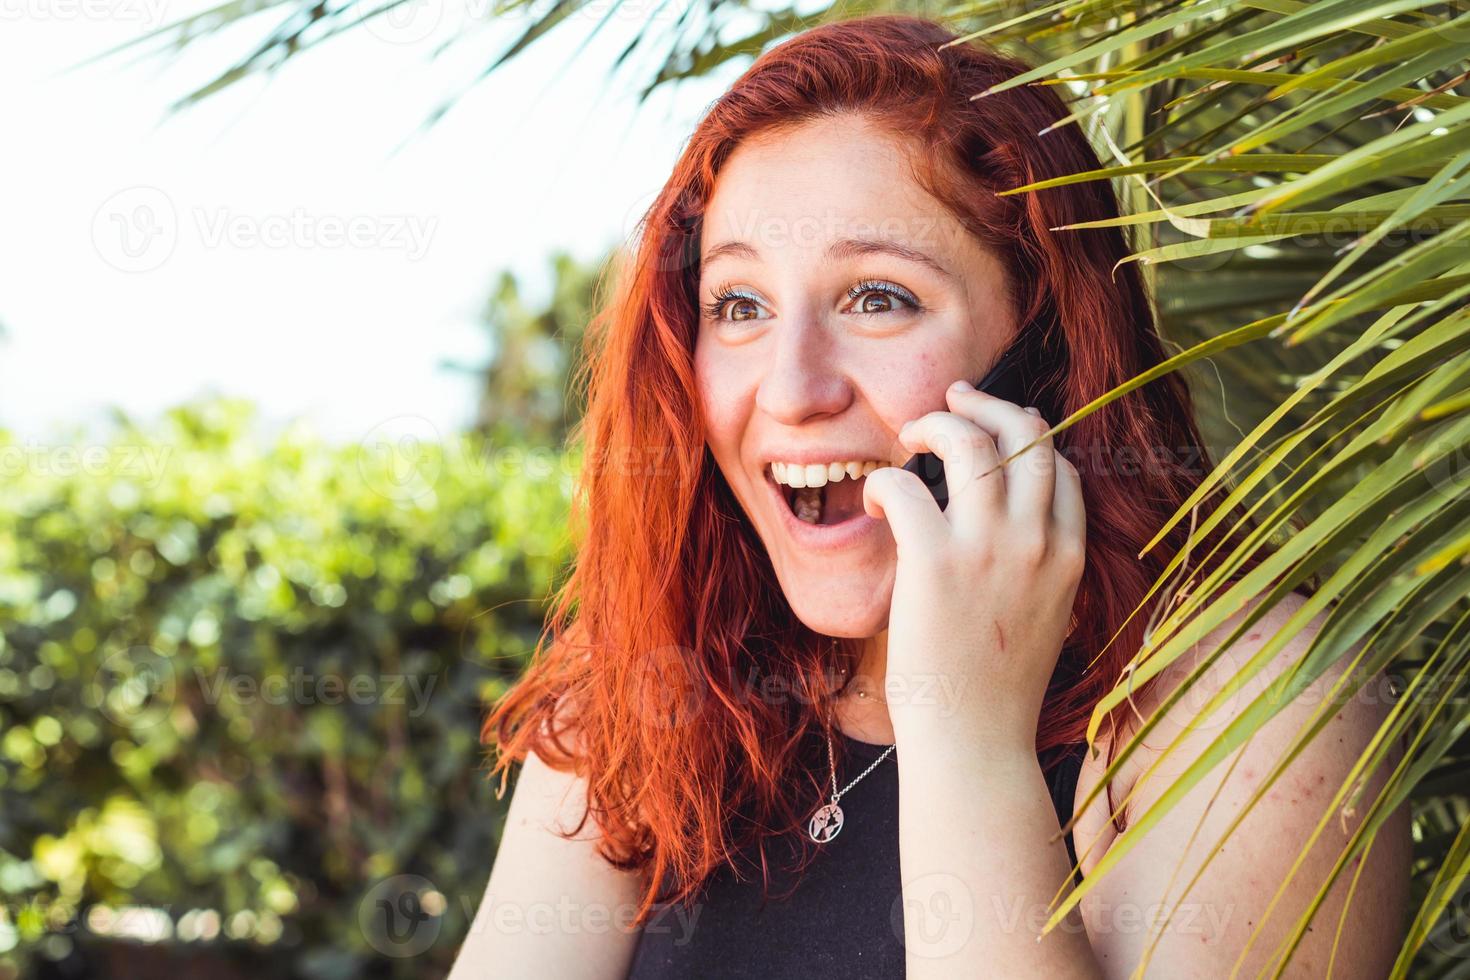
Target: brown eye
(742,309)
(875,296)
(726,300)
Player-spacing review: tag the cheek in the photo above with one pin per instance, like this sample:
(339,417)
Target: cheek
(910,385)
(721,402)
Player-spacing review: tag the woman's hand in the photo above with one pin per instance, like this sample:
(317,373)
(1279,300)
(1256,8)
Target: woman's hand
(982,597)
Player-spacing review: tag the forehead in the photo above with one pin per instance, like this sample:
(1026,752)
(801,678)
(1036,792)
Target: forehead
(826,179)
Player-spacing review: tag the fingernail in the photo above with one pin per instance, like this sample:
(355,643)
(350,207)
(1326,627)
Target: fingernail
(1033,410)
(962,385)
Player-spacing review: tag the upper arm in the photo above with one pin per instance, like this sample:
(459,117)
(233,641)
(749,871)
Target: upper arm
(553,907)
(1214,921)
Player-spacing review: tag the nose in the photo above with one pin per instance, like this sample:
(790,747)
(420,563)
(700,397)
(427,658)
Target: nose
(803,378)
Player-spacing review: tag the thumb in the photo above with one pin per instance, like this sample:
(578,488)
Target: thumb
(900,497)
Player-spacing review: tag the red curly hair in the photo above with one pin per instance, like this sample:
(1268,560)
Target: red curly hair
(694,693)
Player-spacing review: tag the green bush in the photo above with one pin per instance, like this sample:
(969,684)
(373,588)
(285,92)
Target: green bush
(241,682)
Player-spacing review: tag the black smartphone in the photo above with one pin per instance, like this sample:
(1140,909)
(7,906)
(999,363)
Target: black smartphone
(1013,378)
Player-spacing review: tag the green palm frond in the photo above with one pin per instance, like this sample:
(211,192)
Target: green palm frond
(675,40)
(1321,154)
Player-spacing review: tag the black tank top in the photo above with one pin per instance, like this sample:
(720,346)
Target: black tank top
(845,916)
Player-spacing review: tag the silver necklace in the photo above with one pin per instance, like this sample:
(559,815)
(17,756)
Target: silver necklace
(827,821)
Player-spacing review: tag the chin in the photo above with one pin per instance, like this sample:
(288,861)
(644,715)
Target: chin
(853,606)
(837,576)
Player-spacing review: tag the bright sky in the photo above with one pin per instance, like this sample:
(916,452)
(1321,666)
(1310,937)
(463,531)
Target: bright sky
(293,240)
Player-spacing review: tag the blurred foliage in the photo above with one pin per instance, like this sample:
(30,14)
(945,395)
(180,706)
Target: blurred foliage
(240,683)
(526,392)
(1298,178)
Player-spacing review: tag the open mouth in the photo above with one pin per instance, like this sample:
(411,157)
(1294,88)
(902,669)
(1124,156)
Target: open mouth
(832,503)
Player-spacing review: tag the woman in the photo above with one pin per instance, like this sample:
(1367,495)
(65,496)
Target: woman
(768,613)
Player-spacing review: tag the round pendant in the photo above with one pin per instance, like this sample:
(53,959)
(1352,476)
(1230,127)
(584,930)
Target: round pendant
(826,822)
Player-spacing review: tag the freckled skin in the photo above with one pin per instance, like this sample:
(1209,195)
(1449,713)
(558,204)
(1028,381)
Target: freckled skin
(804,369)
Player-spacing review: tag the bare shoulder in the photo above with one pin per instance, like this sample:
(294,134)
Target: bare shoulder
(1221,666)
(1235,672)
(1303,814)
(553,906)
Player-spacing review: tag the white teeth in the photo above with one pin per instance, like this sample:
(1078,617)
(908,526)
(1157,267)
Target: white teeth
(820,474)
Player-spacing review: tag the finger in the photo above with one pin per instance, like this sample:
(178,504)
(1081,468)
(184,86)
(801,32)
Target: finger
(1035,474)
(900,497)
(1030,475)
(1069,513)
(977,491)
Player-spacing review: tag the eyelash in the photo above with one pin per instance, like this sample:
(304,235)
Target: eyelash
(725,292)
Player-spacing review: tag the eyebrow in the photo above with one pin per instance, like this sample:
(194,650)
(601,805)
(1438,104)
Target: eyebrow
(841,249)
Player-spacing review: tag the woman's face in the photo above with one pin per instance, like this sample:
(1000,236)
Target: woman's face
(848,301)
